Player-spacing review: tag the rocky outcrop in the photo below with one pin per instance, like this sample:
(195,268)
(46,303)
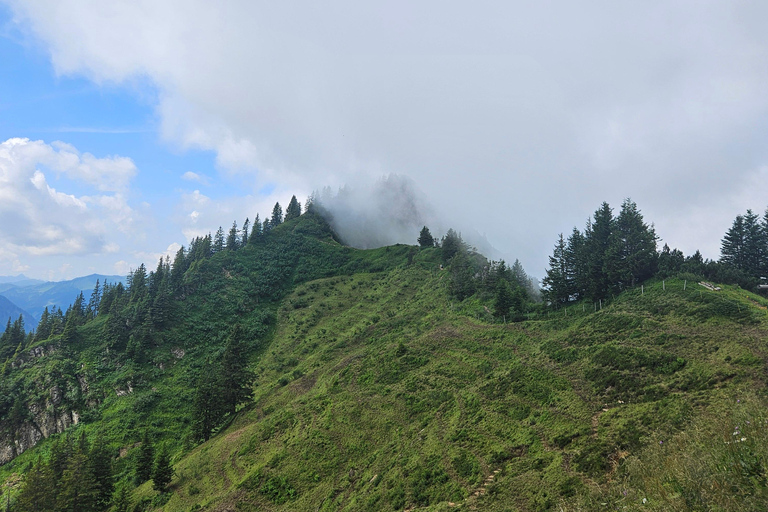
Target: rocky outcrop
(45,419)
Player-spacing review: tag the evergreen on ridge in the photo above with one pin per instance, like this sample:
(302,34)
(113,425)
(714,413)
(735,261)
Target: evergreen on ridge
(272,367)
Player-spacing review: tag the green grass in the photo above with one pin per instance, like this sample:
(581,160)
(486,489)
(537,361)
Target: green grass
(374,391)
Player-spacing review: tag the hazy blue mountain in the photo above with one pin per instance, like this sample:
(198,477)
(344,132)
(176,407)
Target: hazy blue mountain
(35,297)
(10,310)
(19,280)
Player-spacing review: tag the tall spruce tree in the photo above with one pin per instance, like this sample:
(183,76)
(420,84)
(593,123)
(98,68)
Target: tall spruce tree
(293,210)
(256,230)
(162,472)
(144,459)
(732,250)
(218,240)
(597,241)
(556,288)
(207,403)
(236,378)
(277,215)
(425,238)
(451,245)
(232,239)
(244,232)
(576,265)
(631,256)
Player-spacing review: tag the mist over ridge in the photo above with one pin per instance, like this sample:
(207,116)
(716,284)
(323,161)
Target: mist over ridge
(392,210)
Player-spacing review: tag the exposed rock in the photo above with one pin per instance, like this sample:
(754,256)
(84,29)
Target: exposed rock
(178,353)
(46,420)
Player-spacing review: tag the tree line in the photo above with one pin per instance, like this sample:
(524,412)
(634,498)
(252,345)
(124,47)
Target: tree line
(510,289)
(613,254)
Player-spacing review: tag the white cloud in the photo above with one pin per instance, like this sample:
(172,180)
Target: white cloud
(193,176)
(535,113)
(39,221)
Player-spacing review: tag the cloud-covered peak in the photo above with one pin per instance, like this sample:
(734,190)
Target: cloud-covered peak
(532,113)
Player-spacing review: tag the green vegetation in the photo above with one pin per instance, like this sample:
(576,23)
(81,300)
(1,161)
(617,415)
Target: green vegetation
(284,371)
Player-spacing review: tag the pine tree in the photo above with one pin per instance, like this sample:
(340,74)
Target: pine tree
(631,256)
(244,233)
(556,287)
(93,303)
(597,241)
(576,265)
(100,461)
(38,490)
(232,241)
(451,244)
(236,379)
(294,209)
(121,502)
(277,216)
(504,301)
(178,269)
(425,238)
(462,276)
(256,230)
(207,404)
(162,472)
(78,491)
(218,240)
(144,460)
(754,245)
(732,245)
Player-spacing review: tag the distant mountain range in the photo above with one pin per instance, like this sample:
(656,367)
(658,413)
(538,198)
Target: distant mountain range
(20,295)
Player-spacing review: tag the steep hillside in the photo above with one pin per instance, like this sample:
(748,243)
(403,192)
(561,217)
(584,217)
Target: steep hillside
(374,390)
(378,394)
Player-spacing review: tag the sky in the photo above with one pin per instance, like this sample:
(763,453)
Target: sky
(127,128)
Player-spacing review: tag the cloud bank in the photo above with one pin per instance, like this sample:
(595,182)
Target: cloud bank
(42,219)
(520,116)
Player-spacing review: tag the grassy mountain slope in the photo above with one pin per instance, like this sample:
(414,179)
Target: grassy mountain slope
(375,395)
(375,391)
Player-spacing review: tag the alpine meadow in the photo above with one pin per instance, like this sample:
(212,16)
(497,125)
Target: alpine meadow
(276,368)
(394,256)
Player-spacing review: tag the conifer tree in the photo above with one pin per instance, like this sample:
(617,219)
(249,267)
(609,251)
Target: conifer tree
(425,238)
(178,269)
(162,472)
(576,265)
(293,210)
(244,233)
(504,300)
(37,492)
(631,256)
(145,459)
(598,240)
(232,241)
(218,240)
(121,502)
(100,462)
(207,404)
(462,276)
(277,216)
(556,287)
(236,379)
(78,491)
(256,230)
(452,244)
(93,302)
